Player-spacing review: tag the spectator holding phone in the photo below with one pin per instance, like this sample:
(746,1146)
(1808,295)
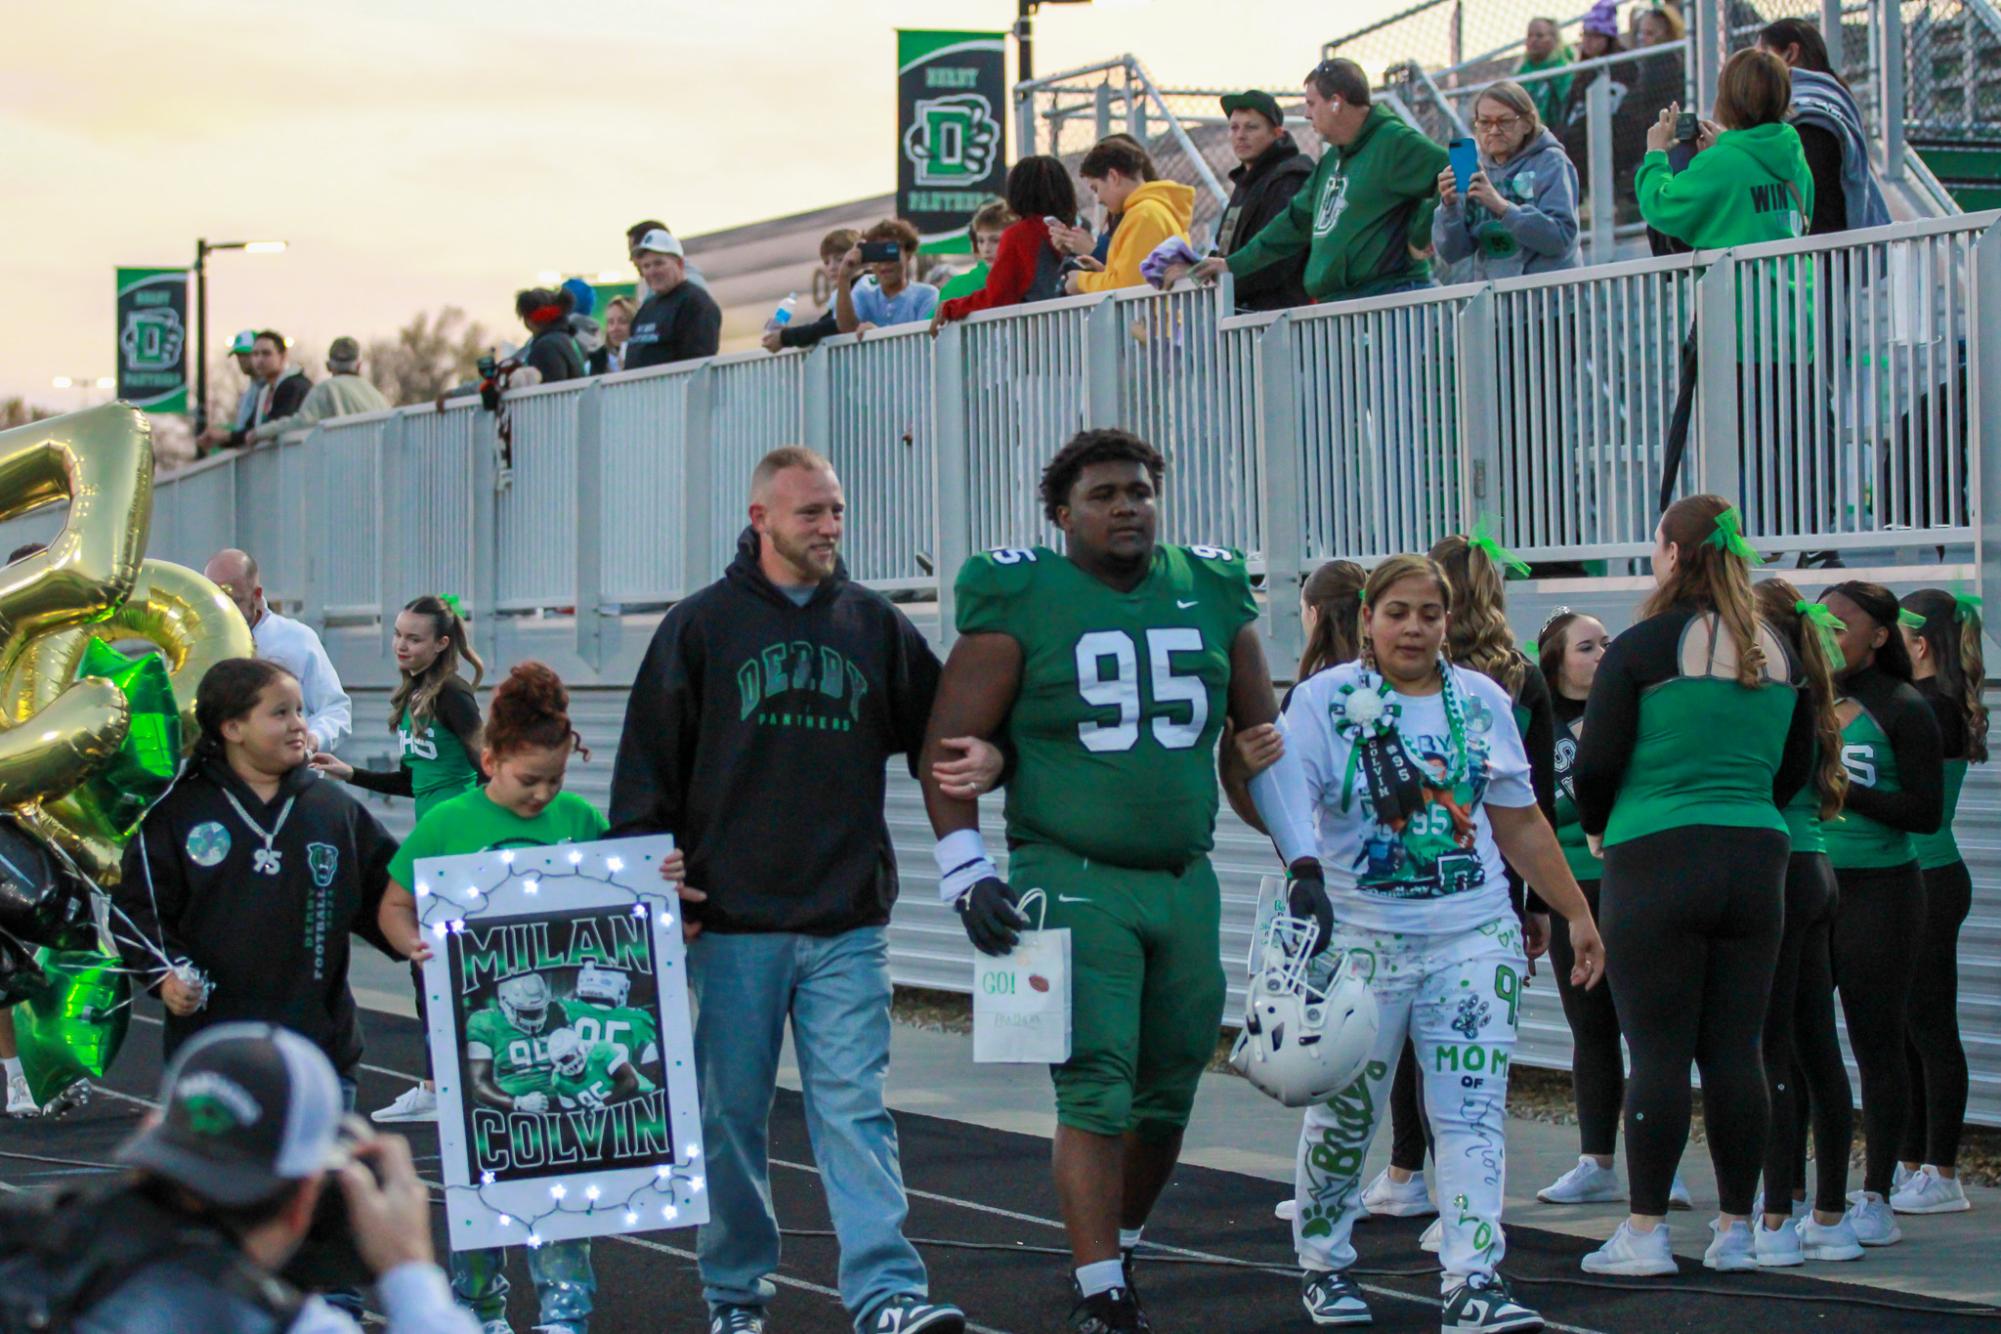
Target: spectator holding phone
(1149,211)
(1027,267)
(886,295)
(1517,212)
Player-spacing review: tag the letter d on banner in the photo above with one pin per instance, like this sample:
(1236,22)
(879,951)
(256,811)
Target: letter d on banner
(153,339)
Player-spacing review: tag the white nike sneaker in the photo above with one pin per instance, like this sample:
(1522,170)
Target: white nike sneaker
(1776,1249)
(1732,1251)
(1434,1236)
(1828,1241)
(417,1104)
(1286,1209)
(1678,1196)
(1634,1254)
(20,1102)
(1929,1193)
(1874,1223)
(1586,1183)
(1398,1199)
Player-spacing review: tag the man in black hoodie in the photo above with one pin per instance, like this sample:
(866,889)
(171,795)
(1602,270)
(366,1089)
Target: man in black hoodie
(1270,171)
(757,735)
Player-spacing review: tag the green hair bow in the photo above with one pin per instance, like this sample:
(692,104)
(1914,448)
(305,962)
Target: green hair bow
(1829,625)
(451,601)
(1909,619)
(1729,537)
(1965,606)
(1481,540)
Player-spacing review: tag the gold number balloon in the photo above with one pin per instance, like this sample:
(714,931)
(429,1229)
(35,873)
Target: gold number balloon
(93,582)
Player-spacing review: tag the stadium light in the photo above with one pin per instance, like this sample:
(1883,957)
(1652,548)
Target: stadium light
(1024,34)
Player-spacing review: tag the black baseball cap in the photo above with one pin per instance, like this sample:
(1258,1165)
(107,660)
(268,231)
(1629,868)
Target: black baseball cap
(1255,100)
(248,1110)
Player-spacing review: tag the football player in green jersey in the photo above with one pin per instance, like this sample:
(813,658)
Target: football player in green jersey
(598,1011)
(507,1045)
(589,1074)
(1111,667)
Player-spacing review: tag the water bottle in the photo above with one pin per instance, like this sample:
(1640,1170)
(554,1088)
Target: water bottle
(783,315)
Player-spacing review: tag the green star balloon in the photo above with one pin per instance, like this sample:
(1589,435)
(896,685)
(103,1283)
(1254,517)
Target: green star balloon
(113,798)
(72,1026)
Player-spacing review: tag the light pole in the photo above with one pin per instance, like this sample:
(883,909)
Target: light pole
(1024,34)
(203,249)
(83,384)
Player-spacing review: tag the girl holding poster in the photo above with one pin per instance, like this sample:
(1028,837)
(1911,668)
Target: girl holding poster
(527,747)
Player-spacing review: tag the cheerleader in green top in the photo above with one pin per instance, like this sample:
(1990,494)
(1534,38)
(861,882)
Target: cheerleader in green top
(1947,668)
(435,717)
(1896,789)
(1802,1054)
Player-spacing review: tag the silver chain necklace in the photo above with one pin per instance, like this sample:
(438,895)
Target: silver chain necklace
(267,859)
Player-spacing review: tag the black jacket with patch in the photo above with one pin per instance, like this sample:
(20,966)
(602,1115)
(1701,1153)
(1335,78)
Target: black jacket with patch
(758,733)
(274,946)
(1264,189)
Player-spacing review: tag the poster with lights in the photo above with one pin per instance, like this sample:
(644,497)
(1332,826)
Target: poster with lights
(560,1031)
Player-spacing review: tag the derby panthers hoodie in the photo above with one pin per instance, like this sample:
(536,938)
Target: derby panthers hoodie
(758,732)
(268,922)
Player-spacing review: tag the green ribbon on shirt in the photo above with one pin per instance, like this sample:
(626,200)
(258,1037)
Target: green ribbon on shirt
(1481,540)
(1729,537)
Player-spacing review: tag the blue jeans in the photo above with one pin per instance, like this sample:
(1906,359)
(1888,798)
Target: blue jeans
(835,990)
(350,1301)
(565,1285)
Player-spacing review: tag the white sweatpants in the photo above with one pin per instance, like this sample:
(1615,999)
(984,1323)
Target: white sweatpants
(1456,996)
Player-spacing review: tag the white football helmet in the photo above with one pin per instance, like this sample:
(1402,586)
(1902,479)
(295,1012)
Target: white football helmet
(568,1052)
(1302,1043)
(602,986)
(524,1000)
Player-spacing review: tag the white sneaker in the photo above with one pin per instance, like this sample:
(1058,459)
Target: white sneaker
(1929,1193)
(1732,1251)
(1389,1198)
(1678,1196)
(1780,1249)
(417,1104)
(1875,1225)
(1286,1209)
(1828,1241)
(1434,1236)
(20,1102)
(1898,1176)
(1586,1183)
(1634,1254)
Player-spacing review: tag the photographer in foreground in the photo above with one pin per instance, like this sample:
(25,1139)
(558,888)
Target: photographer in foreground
(244,1172)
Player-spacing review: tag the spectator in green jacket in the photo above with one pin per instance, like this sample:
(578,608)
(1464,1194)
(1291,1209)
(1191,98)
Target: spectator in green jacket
(1543,49)
(1364,219)
(991,219)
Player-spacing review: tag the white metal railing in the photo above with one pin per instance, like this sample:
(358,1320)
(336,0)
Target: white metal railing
(1845,390)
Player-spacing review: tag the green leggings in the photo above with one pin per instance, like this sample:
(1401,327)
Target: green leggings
(1146,987)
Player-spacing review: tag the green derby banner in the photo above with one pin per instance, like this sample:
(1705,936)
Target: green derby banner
(951,119)
(153,339)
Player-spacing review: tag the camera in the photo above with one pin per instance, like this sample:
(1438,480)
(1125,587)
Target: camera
(327,1259)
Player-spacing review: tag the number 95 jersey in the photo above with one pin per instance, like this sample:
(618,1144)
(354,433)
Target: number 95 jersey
(1122,697)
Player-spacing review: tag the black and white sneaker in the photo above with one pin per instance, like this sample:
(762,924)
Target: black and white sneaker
(1333,1299)
(908,1314)
(1114,1311)
(1483,1302)
(736,1320)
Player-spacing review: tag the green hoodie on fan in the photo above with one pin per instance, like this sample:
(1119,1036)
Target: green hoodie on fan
(1552,95)
(1356,216)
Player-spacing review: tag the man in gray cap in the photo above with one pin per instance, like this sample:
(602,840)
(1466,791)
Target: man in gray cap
(342,394)
(228,1177)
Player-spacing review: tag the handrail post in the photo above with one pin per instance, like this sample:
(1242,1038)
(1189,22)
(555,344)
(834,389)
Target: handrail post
(597,632)
(1718,432)
(816,410)
(484,441)
(1101,364)
(951,474)
(1282,480)
(698,551)
(388,533)
(1984,391)
(1598,148)
(1479,412)
(1893,112)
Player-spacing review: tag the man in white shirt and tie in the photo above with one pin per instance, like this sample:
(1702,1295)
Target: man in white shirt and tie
(290,644)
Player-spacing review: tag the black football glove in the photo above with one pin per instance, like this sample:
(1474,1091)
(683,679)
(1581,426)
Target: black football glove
(1306,899)
(991,916)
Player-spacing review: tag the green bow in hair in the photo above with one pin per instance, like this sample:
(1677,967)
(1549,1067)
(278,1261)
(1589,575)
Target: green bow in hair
(1480,540)
(1909,619)
(1829,624)
(1729,537)
(451,601)
(1965,605)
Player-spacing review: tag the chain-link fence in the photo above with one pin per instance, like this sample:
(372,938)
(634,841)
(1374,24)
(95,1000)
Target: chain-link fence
(1952,70)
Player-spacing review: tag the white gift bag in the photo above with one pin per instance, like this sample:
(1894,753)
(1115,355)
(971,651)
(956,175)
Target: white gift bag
(1021,1000)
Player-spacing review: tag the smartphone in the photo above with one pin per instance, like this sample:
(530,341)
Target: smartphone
(1686,127)
(881,252)
(1465,162)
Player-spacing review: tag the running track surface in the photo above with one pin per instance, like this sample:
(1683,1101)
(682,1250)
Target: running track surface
(987,1193)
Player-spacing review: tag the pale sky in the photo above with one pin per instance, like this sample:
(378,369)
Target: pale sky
(420,153)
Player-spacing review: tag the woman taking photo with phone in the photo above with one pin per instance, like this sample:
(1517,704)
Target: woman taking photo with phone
(1697,730)
(1517,210)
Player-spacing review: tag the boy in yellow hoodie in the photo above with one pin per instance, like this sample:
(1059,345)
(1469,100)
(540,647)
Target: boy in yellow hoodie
(1149,212)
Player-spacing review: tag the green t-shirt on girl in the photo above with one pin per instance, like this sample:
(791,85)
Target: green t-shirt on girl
(473,822)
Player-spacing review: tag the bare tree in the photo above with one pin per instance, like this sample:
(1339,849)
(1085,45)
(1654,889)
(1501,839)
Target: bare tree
(428,356)
(19,412)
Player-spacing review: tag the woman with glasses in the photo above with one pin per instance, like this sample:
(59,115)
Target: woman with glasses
(1518,213)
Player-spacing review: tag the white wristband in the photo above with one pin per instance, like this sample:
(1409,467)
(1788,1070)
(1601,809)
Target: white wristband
(962,863)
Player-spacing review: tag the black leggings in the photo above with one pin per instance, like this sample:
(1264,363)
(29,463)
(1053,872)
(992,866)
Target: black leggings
(1876,931)
(1692,919)
(1934,1056)
(1410,1128)
(1802,1053)
(1597,1066)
